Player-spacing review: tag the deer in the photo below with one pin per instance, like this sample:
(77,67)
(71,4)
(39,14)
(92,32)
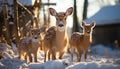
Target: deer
(56,38)
(81,41)
(30,45)
(23,47)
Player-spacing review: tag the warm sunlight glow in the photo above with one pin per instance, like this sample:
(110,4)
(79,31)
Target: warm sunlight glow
(62,5)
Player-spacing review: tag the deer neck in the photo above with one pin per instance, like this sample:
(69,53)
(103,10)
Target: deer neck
(88,37)
(60,36)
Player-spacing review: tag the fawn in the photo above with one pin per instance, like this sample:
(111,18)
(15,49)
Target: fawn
(81,41)
(29,45)
(56,38)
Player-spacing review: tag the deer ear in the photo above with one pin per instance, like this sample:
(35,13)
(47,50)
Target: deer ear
(93,24)
(69,11)
(83,24)
(52,11)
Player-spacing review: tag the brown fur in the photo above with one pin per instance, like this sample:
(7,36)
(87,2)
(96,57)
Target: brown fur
(81,41)
(56,39)
(42,31)
(49,40)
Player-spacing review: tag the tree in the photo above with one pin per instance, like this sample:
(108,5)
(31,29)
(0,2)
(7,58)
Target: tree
(16,21)
(85,9)
(75,19)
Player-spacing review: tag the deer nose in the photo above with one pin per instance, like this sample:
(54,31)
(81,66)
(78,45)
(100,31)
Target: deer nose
(35,37)
(88,31)
(60,25)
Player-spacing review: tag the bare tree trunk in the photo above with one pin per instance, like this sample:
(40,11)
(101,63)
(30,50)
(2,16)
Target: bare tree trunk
(37,6)
(16,21)
(5,13)
(24,27)
(48,15)
(31,15)
(45,19)
(85,9)
(75,19)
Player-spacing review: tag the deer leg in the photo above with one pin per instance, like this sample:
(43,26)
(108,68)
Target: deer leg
(49,54)
(40,45)
(71,52)
(26,57)
(45,54)
(61,54)
(53,55)
(78,58)
(35,56)
(30,57)
(79,54)
(85,55)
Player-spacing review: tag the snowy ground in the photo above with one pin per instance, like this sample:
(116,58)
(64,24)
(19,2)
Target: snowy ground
(100,57)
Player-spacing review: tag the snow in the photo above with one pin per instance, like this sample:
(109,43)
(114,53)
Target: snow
(10,64)
(100,49)
(93,65)
(97,59)
(27,2)
(55,64)
(106,15)
(6,51)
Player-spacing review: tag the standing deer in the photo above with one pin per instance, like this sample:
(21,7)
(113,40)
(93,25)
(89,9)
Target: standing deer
(30,45)
(24,46)
(82,41)
(35,44)
(56,38)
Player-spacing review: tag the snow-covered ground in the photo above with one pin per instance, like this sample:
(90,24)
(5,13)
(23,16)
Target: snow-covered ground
(100,57)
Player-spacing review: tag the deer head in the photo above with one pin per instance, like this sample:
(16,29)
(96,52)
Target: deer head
(87,28)
(61,18)
(35,35)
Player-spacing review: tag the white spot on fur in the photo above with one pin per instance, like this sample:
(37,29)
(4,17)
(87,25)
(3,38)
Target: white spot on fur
(60,22)
(61,29)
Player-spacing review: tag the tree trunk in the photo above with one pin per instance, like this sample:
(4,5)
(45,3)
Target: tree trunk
(16,21)
(85,9)
(75,19)
(5,13)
